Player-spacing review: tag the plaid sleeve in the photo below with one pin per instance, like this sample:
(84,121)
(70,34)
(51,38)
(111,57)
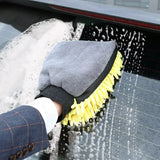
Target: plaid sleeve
(22,133)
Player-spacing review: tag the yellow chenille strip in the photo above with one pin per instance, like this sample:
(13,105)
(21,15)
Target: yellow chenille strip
(87,109)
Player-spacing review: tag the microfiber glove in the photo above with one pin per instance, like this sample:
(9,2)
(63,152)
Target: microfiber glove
(78,74)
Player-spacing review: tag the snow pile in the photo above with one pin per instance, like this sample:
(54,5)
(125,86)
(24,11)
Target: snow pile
(22,59)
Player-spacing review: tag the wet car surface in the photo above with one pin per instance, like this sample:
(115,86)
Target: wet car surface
(128,127)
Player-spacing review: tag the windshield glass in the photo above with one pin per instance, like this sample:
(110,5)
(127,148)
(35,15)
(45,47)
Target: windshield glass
(128,126)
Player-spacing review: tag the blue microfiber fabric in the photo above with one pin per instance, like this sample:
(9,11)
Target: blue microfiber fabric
(75,65)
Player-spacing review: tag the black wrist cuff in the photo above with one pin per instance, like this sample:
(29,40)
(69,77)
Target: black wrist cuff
(60,96)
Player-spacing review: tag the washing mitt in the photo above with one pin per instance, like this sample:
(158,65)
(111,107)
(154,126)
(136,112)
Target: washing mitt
(80,75)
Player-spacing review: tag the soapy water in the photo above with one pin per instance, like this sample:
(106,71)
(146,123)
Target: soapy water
(21,61)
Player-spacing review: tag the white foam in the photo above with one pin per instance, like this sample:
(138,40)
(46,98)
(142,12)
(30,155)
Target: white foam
(22,59)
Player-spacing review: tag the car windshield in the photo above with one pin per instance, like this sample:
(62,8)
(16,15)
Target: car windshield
(128,126)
